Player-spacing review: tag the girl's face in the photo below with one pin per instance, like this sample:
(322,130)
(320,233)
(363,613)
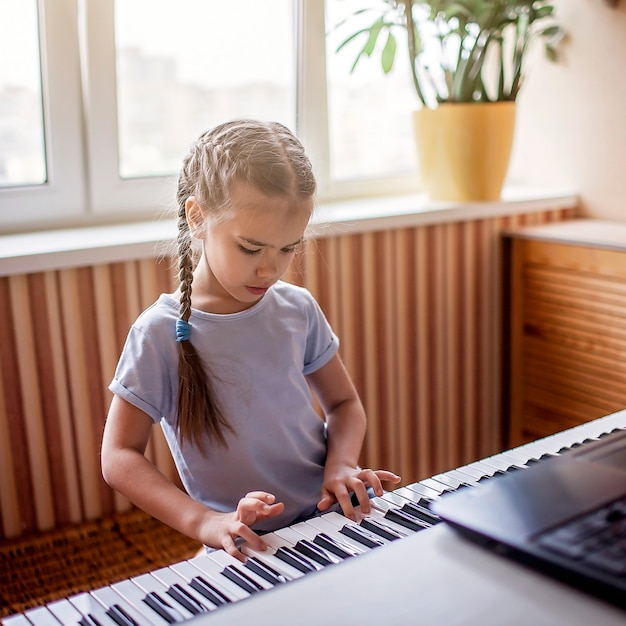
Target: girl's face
(245,253)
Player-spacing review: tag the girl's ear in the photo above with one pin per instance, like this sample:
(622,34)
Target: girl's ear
(195,218)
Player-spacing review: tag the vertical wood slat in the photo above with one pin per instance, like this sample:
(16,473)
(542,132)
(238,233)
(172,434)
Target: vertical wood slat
(416,310)
(68,463)
(78,361)
(33,415)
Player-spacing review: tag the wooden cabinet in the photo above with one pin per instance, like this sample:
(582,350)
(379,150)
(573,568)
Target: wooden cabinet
(565,325)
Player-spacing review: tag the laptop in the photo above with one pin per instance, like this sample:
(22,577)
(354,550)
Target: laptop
(565,516)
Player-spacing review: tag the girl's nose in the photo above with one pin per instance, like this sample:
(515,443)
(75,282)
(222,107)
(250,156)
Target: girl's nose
(269,266)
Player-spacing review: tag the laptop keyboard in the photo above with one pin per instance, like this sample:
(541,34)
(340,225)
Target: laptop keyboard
(597,539)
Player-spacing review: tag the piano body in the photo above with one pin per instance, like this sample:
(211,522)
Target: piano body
(396,566)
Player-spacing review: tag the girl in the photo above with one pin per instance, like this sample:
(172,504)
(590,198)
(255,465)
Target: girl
(228,368)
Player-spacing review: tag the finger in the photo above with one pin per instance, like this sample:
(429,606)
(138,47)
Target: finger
(345,502)
(250,511)
(369,477)
(274,510)
(264,496)
(229,546)
(326,501)
(251,538)
(363,497)
(387,476)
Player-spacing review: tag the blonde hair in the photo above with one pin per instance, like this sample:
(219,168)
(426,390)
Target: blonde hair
(267,156)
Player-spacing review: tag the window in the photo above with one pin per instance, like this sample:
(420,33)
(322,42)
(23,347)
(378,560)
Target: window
(369,123)
(23,160)
(102,98)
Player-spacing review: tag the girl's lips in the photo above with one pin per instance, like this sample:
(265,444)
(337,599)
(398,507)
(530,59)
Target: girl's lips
(257,291)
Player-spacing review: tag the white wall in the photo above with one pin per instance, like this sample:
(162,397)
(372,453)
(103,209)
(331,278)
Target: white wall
(571,126)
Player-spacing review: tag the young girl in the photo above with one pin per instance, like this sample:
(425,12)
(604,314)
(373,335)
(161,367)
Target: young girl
(227,369)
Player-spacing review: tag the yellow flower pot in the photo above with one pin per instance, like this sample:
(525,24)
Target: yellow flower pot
(464,149)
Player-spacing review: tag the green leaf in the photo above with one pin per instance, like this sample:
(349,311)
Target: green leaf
(389,53)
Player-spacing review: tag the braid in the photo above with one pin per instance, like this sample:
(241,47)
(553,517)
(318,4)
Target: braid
(199,415)
(185,264)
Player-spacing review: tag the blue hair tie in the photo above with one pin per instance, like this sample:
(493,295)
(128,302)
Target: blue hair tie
(183,330)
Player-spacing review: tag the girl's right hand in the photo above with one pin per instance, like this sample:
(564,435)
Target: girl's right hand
(256,506)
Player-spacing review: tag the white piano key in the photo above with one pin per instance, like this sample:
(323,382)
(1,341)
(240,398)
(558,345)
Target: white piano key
(86,605)
(311,532)
(472,472)
(421,516)
(340,521)
(424,491)
(135,595)
(41,616)
(379,526)
(437,487)
(109,598)
(17,619)
(225,560)
(150,584)
(265,570)
(410,494)
(170,578)
(481,467)
(295,537)
(64,611)
(519,455)
(214,571)
(323,524)
(334,518)
(447,480)
(276,541)
(389,499)
(268,556)
(189,571)
(500,463)
(403,496)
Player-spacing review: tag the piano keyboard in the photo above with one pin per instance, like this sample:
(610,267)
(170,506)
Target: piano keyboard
(203,584)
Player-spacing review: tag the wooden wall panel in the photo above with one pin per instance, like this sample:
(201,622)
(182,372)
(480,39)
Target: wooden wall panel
(568,306)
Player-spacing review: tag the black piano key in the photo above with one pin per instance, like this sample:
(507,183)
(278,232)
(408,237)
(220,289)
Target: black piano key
(163,608)
(185,599)
(380,529)
(330,526)
(313,552)
(335,547)
(407,520)
(209,591)
(265,571)
(424,514)
(291,557)
(241,579)
(360,535)
(89,620)
(120,616)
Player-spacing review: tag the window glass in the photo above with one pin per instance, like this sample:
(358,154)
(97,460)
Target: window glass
(370,113)
(185,66)
(22,151)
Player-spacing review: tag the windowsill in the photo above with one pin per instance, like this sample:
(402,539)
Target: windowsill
(58,249)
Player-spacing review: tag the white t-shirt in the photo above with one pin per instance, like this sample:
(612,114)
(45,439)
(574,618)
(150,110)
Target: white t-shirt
(261,357)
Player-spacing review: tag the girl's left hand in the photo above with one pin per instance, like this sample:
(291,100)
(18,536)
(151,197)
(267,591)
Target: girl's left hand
(341,483)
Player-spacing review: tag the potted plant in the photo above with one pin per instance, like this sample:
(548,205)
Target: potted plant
(467,60)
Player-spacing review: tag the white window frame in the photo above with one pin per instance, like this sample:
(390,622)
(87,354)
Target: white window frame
(78,69)
(62,196)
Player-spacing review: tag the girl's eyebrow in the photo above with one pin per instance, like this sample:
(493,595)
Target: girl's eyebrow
(260,244)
